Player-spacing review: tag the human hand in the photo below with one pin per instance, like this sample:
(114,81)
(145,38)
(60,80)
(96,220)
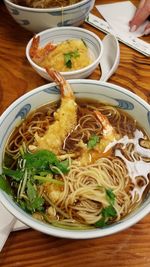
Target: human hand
(141,14)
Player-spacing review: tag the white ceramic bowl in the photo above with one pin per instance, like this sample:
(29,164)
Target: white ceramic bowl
(105,92)
(59,34)
(39,19)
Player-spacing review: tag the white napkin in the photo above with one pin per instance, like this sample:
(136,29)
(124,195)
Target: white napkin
(132,41)
(8,223)
(118,16)
(19,226)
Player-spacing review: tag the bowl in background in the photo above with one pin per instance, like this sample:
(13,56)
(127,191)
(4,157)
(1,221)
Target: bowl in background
(60,34)
(39,19)
(103,91)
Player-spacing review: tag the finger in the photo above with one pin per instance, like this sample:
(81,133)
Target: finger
(142,2)
(141,15)
(147,29)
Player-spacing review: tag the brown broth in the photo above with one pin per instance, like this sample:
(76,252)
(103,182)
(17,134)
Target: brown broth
(137,160)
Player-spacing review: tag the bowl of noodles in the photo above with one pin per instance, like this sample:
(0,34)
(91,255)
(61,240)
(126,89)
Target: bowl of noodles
(75,158)
(73,51)
(40,15)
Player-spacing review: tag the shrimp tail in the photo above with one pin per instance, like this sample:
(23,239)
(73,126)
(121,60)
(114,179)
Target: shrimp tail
(65,88)
(107,127)
(34,46)
(38,53)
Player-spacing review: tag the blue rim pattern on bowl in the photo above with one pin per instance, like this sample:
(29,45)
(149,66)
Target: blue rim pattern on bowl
(67,22)
(54,90)
(68,16)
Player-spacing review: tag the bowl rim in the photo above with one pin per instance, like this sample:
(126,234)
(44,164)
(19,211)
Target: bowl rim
(67,28)
(44,10)
(65,233)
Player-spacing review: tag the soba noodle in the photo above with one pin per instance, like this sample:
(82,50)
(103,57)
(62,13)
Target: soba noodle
(45,3)
(94,195)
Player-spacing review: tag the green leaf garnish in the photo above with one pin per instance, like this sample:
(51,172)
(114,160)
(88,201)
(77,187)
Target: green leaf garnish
(63,166)
(68,57)
(44,160)
(4,185)
(111,196)
(94,139)
(109,212)
(14,174)
(39,160)
(35,202)
(44,179)
(100,223)
(68,62)
(39,167)
(8,160)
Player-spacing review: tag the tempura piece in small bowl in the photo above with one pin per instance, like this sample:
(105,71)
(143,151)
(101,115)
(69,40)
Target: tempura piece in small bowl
(72,51)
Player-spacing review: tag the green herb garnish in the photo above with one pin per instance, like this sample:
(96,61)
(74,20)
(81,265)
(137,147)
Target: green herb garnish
(100,223)
(43,179)
(14,174)
(94,139)
(45,160)
(107,213)
(34,202)
(111,196)
(39,167)
(68,58)
(4,185)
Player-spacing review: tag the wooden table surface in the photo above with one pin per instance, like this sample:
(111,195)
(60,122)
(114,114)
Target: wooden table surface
(130,248)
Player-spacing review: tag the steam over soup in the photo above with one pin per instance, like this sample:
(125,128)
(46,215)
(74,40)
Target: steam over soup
(45,3)
(93,173)
(67,56)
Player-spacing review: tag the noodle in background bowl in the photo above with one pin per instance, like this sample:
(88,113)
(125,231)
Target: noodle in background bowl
(39,19)
(105,92)
(58,35)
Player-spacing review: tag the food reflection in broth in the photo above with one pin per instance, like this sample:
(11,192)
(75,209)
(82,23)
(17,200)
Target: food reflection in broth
(45,3)
(99,175)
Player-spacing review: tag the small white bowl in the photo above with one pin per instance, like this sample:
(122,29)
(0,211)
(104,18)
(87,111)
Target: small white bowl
(102,91)
(59,34)
(39,19)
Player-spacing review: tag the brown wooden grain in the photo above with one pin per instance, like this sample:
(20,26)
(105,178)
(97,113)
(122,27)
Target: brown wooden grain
(31,248)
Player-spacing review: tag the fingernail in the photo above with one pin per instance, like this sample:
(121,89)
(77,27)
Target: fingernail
(147,31)
(133,28)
